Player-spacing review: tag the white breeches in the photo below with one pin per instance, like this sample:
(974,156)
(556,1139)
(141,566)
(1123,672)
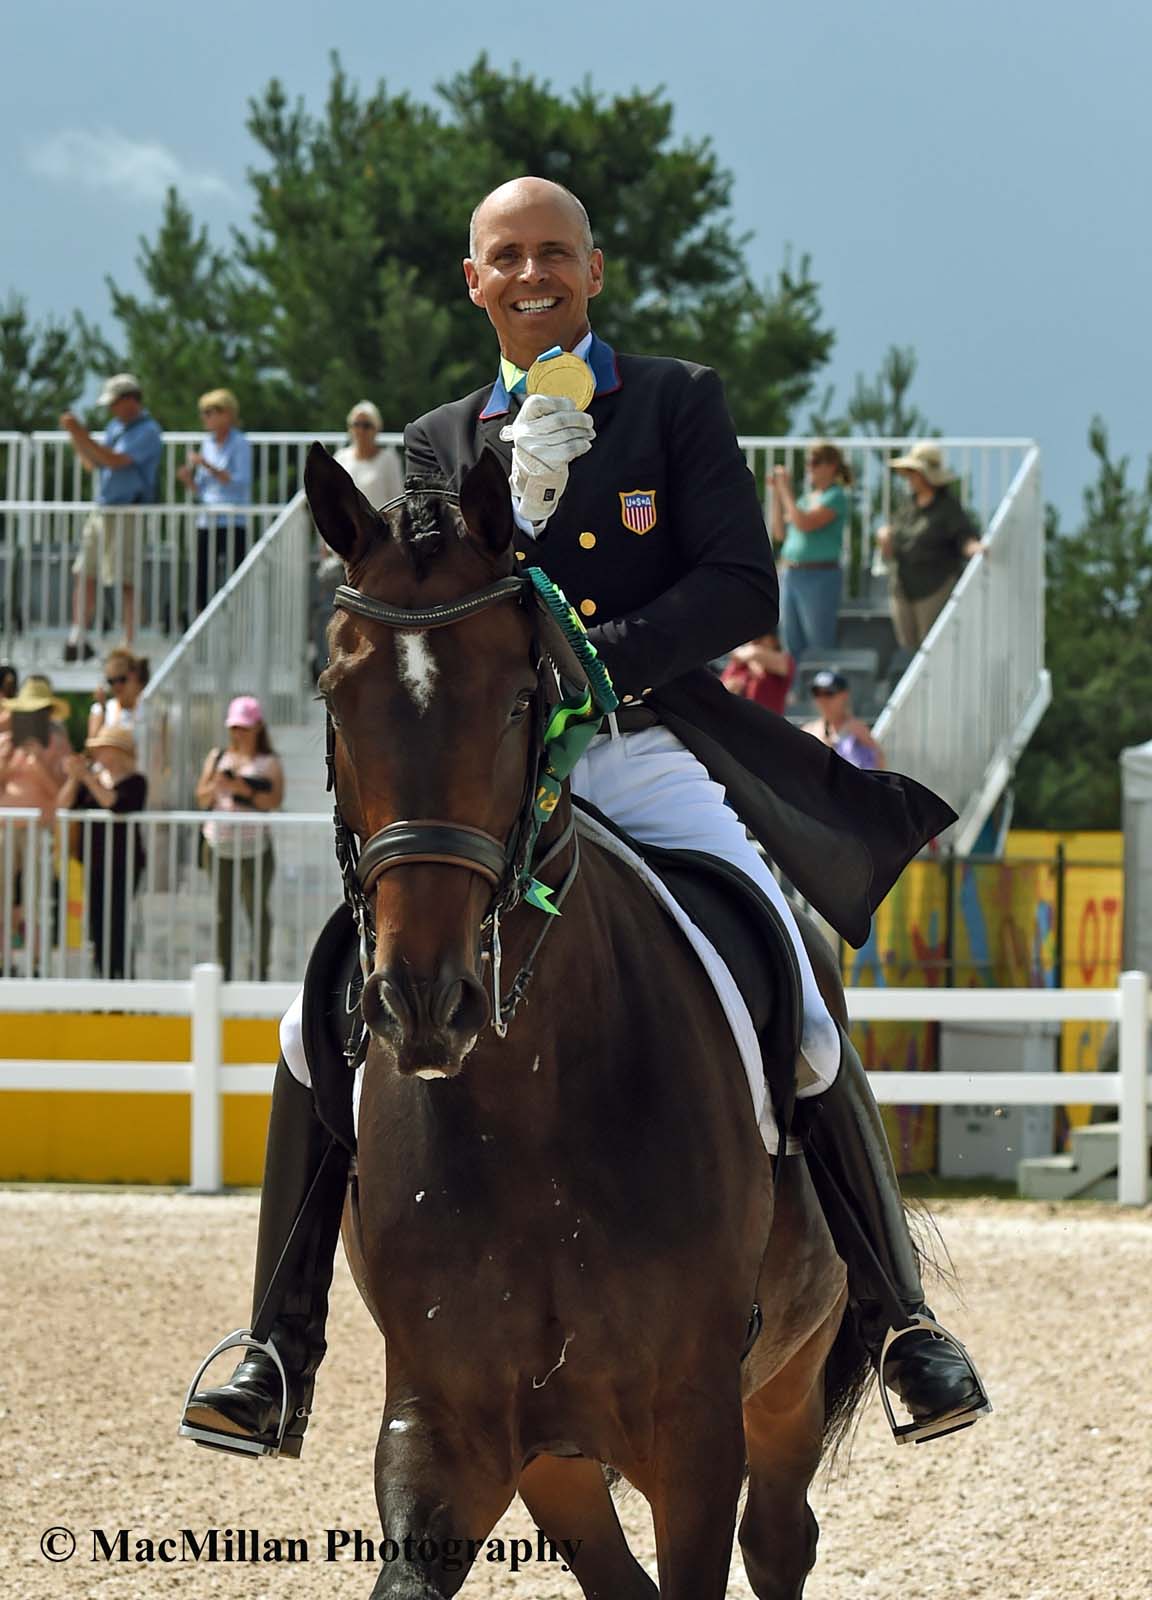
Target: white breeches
(656,790)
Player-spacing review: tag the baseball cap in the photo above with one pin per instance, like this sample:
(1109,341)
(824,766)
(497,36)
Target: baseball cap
(827,682)
(245,712)
(115,388)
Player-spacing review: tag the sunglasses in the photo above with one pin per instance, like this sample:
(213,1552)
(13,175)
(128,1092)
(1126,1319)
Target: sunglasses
(207,411)
(365,424)
(827,694)
(114,683)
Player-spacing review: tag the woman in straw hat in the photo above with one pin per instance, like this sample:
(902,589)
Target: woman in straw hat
(33,751)
(33,747)
(105,779)
(926,544)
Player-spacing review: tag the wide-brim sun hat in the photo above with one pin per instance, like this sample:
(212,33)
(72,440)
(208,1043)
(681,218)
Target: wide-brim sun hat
(35,694)
(112,739)
(928,461)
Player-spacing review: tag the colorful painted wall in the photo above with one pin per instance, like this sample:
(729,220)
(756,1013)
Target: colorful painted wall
(1049,915)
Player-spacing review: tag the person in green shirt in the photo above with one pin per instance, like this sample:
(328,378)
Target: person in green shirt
(810,533)
(927,544)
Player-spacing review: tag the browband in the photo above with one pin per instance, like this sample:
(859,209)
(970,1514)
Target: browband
(349,599)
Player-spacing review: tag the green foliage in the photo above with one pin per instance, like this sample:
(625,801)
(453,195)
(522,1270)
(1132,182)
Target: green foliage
(1099,648)
(200,324)
(878,409)
(348,281)
(42,368)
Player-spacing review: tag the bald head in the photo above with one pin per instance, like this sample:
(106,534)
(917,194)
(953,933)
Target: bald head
(503,203)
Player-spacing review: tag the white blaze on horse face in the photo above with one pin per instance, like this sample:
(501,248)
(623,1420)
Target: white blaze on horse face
(418,670)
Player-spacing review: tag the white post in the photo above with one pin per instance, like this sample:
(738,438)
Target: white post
(206,981)
(1132,1177)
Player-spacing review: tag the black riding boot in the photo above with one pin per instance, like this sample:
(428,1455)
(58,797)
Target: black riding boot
(851,1167)
(247,1409)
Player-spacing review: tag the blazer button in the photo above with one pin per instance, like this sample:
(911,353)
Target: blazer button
(587,541)
(629,700)
(588,608)
(520,555)
(646,691)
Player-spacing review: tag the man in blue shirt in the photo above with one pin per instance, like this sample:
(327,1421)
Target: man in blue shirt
(128,465)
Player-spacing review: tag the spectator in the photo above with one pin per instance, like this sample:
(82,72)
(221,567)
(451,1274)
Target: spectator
(33,751)
(374,470)
(837,727)
(761,670)
(245,777)
(219,474)
(376,473)
(9,683)
(33,748)
(926,544)
(106,779)
(812,546)
(114,705)
(128,464)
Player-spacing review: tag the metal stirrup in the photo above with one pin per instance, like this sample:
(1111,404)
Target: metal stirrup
(933,1427)
(245,1444)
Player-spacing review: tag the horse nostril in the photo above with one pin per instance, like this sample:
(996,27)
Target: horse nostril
(463,1006)
(385,1006)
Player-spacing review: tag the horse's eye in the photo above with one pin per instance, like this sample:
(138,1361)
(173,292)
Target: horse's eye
(523,703)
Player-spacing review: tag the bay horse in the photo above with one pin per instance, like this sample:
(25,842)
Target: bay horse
(564,1220)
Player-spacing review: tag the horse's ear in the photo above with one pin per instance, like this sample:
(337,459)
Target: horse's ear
(486,503)
(346,521)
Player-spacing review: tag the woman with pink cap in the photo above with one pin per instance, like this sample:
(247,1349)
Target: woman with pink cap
(244,777)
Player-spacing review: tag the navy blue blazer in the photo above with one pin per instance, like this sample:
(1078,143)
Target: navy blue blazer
(659,541)
(659,538)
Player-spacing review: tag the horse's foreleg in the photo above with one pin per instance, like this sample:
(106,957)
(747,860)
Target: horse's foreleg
(693,1487)
(570,1503)
(441,1486)
(784,1435)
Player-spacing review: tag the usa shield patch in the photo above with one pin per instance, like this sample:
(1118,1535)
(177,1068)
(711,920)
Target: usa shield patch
(638,509)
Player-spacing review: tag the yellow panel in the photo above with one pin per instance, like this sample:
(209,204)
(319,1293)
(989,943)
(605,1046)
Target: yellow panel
(124,1138)
(1040,844)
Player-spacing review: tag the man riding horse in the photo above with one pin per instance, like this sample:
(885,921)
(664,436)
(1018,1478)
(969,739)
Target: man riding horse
(657,537)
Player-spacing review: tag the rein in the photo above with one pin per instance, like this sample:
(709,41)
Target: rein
(510,866)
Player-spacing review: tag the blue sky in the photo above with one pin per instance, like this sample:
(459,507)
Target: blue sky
(971,180)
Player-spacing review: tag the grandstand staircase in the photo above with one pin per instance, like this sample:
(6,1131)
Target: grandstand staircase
(1087,1172)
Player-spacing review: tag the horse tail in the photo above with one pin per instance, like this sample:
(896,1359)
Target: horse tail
(848,1369)
(847,1378)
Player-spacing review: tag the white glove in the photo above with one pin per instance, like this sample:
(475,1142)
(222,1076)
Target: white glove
(548,434)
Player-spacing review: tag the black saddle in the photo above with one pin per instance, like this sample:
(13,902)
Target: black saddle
(732,911)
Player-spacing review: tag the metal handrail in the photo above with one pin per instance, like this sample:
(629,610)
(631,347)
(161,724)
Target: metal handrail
(976,688)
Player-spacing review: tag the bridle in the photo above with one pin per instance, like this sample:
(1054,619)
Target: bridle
(510,867)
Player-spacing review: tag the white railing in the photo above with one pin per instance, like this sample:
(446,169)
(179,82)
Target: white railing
(53,470)
(151,568)
(208,1001)
(972,696)
(149,896)
(251,639)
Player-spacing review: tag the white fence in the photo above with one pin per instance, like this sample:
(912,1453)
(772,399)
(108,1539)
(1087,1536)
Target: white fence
(970,700)
(208,1001)
(50,470)
(152,569)
(251,639)
(147,896)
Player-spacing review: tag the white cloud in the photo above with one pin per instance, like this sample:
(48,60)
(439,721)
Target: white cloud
(137,169)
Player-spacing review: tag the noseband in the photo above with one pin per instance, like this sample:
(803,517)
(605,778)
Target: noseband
(506,866)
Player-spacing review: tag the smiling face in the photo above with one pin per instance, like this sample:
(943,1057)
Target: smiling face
(533,268)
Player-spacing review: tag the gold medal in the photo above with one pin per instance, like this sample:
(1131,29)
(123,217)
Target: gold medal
(565,375)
